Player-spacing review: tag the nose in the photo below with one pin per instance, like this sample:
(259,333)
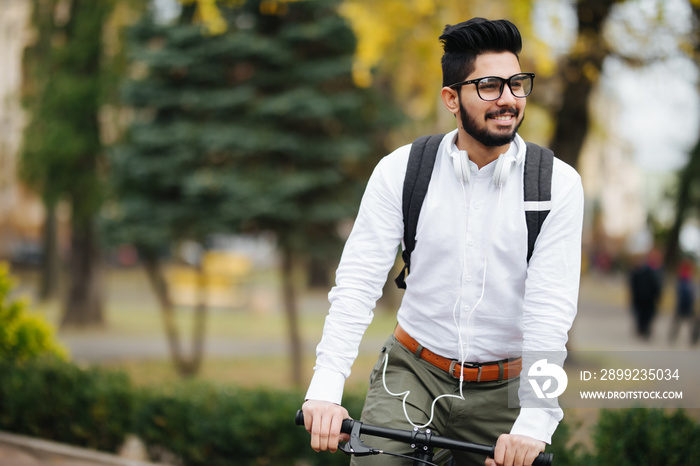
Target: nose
(507,98)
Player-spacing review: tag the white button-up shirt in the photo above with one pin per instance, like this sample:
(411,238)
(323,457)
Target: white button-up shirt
(471,294)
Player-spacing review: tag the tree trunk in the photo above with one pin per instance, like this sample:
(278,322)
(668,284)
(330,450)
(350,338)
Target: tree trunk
(183,366)
(200,320)
(48,287)
(290,307)
(84,304)
(319,273)
(581,72)
(155,274)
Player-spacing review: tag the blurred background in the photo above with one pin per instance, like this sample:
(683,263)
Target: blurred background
(177,178)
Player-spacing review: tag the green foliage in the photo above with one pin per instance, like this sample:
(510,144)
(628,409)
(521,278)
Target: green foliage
(199,423)
(259,128)
(23,336)
(56,400)
(62,152)
(208,425)
(205,424)
(566,451)
(646,436)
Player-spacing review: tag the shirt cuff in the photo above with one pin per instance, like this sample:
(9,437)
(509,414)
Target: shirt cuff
(537,423)
(326,385)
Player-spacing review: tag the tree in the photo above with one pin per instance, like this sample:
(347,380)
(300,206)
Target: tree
(687,195)
(258,129)
(33,169)
(62,153)
(580,73)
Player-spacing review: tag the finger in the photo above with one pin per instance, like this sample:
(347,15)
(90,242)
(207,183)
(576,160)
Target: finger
(499,452)
(509,457)
(308,419)
(531,456)
(519,457)
(324,432)
(317,442)
(316,434)
(333,438)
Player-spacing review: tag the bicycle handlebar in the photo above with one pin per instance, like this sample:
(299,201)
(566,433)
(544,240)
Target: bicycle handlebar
(416,437)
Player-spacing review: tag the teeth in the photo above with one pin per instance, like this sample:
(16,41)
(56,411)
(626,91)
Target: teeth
(503,117)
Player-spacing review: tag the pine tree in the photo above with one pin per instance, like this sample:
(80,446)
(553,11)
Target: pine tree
(258,129)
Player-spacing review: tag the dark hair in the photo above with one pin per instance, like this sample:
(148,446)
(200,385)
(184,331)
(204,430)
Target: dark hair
(463,42)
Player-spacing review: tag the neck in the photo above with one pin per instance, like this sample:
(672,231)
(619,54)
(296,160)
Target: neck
(480,154)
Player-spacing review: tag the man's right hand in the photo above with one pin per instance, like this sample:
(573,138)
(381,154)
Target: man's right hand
(323,420)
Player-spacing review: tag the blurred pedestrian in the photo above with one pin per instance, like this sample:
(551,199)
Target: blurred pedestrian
(645,291)
(685,301)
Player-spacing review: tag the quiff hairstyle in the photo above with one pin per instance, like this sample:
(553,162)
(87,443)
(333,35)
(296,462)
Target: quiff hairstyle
(463,42)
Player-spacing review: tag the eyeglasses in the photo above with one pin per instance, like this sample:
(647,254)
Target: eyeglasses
(491,87)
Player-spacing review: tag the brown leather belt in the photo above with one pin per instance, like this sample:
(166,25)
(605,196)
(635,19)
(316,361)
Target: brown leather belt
(473,372)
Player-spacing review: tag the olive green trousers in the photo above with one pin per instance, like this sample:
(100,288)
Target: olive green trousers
(480,417)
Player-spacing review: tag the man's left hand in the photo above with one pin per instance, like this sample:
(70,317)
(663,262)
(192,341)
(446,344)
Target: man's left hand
(515,450)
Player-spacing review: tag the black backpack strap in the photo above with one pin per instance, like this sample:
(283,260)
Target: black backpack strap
(539,163)
(418,172)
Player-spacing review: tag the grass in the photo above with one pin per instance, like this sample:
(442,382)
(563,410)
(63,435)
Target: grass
(249,372)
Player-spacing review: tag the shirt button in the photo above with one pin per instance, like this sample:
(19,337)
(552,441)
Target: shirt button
(469,278)
(470,242)
(467,308)
(472,168)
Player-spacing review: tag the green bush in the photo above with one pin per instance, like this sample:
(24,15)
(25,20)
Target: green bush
(197,423)
(56,400)
(566,451)
(651,437)
(194,423)
(22,335)
(208,425)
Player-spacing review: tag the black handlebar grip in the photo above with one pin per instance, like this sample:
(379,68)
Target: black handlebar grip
(543,459)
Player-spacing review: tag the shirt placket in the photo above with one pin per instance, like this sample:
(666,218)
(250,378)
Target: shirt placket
(477,215)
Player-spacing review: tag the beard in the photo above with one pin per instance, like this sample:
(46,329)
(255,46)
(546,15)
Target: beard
(483,135)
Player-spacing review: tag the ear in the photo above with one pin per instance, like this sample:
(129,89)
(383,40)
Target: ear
(450,99)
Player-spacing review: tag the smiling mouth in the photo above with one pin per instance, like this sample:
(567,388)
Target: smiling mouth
(506,115)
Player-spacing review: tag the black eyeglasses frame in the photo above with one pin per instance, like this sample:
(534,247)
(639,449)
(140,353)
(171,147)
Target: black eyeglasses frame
(504,81)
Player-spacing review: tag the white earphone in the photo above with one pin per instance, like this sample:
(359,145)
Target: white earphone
(504,166)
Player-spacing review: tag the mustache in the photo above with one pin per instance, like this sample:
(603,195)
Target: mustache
(514,111)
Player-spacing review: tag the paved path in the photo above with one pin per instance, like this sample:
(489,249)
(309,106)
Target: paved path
(19,450)
(603,323)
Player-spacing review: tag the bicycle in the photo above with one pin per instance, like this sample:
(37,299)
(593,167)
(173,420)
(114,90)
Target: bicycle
(423,443)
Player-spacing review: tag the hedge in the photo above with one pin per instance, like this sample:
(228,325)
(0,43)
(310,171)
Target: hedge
(192,423)
(646,436)
(197,423)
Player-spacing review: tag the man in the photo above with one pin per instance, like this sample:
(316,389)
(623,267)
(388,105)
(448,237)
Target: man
(472,296)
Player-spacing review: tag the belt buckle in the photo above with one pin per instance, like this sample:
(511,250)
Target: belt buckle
(468,365)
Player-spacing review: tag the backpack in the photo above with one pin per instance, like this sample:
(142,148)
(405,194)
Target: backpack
(537,192)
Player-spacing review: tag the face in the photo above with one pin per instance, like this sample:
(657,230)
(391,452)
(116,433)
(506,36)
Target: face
(494,123)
